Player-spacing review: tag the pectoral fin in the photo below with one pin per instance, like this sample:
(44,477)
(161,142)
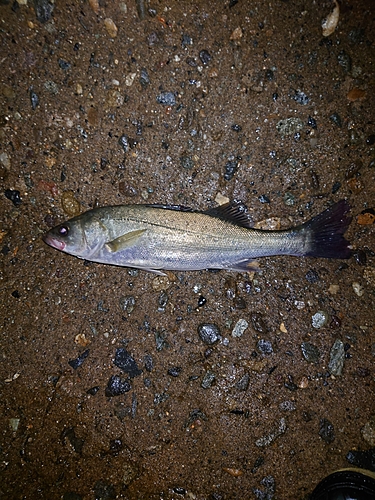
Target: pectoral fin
(124,241)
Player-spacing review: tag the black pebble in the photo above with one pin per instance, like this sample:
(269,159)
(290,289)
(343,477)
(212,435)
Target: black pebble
(205,57)
(144,79)
(264,346)
(311,122)
(117,386)
(64,64)
(175,371)
(34,99)
(124,143)
(230,169)
(336,119)
(149,363)
(370,140)
(14,196)
(166,98)
(76,363)
(236,128)
(209,333)
(201,301)
(264,199)
(312,276)
(326,431)
(16,294)
(126,362)
(43,10)
(93,390)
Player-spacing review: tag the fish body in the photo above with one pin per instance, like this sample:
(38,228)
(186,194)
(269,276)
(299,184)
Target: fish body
(158,237)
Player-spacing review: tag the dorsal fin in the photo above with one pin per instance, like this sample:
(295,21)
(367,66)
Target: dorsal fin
(233,212)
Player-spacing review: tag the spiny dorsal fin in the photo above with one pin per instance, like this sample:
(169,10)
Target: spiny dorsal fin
(233,212)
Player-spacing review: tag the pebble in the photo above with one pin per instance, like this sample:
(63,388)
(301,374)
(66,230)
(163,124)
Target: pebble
(345,61)
(149,362)
(162,301)
(230,169)
(127,304)
(312,276)
(287,406)
(175,371)
(237,34)
(166,98)
(333,289)
(126,363)
(144,78)
(258,322)
(240,328)
(5,162)
(14,196)
(208,380)
(289,126)
(326,431)
(329,24)
(269,438)
(124,142)
(243,383)
(187,162)
(265,347)
(76,363)
(94,4)
(310,352)
(358,289)
(205,57)
(14,423)
(337,358)
(43,10)
(356,94)
(336,119)
(111,27)
(93,390)
(209,333)
(319,319)
(289,199)
(301,98)
(161,283)
(117,386)
(69,204)
(368,431)
(233,472)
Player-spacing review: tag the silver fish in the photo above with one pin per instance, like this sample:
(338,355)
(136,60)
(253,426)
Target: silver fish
(161,237)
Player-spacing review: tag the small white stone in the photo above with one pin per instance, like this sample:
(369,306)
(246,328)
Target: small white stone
(358,289)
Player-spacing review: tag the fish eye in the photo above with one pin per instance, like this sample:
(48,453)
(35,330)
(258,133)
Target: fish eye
(63,230)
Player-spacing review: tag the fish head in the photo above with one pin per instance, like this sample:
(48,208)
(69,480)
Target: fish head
(82,236)
(67,237)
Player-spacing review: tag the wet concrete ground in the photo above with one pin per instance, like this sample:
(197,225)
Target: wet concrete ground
(107,388)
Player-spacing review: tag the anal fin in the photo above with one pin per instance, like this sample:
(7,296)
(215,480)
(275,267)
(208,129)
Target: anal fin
(245,266)
(124,241)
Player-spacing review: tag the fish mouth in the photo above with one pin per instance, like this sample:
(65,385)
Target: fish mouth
(54,242)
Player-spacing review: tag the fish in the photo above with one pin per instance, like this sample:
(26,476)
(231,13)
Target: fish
(158,238)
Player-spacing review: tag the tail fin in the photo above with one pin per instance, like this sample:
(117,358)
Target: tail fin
(326,232)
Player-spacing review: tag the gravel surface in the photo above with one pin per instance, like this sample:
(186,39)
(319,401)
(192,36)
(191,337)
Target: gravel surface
(116,383)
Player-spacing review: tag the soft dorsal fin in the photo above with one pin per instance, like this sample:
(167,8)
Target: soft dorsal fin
(233,212)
